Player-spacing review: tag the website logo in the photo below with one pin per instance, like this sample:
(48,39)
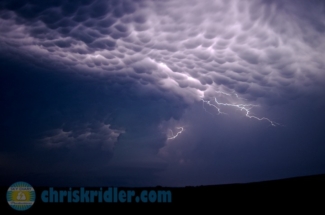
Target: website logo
(109,195)
(21,196)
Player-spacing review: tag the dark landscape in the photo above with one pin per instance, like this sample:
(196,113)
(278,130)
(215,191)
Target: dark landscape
(293,193)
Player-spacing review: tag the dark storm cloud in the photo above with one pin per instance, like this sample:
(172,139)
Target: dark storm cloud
(221,148)
(60,123)
(127,70)
(77,108)
(105,36)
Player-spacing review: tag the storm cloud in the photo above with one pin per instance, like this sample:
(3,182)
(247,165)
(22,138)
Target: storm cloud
(157,86)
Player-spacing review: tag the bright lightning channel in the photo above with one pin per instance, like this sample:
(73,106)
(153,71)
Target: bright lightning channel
(209,103)
(176,135)
(247,108)
(242,107)
(220,92)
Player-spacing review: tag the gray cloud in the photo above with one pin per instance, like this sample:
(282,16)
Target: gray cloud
(158,58)
(103,36)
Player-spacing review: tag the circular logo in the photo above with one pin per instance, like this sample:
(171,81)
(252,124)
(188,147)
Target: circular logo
(21,196)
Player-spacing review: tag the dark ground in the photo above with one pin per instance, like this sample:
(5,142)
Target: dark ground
(290,194)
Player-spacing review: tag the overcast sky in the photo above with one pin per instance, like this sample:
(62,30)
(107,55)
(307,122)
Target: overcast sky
(170,93)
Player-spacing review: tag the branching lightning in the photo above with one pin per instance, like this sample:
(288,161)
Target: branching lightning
(176,135)
(217,105)
(242,107)
(223,93)
(247,108)
(209,103)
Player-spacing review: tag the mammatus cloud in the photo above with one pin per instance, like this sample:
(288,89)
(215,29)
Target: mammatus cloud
(224,54)
(257,49)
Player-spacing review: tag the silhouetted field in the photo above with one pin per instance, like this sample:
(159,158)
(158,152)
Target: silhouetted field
(292,193)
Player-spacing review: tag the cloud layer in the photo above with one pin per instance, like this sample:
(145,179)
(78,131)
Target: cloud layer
(258,49)
(96,74)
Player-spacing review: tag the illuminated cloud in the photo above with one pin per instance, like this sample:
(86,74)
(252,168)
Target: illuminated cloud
(151,63)
(257,49)
(100,136)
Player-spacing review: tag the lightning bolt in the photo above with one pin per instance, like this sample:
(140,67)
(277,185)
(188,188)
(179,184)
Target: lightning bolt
(242,107)
(220,92)
(246,108)
(178,133)
(209,103)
